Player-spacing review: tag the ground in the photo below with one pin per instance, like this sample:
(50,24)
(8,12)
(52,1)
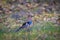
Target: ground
(39,31)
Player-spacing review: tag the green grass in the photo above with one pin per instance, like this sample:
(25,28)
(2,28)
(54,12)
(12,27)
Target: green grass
(45,31)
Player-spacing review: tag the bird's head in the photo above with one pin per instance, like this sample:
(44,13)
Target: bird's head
(30,17)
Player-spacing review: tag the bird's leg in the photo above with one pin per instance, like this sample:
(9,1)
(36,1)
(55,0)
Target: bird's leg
(29,30)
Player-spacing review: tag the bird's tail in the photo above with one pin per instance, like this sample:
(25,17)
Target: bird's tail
(18,29)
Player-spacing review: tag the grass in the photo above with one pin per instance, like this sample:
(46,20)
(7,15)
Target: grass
(44,31)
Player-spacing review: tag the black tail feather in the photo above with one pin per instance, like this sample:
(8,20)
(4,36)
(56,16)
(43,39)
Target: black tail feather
(18,29)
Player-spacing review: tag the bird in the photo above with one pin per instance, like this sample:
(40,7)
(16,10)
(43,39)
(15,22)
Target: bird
(26,24)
